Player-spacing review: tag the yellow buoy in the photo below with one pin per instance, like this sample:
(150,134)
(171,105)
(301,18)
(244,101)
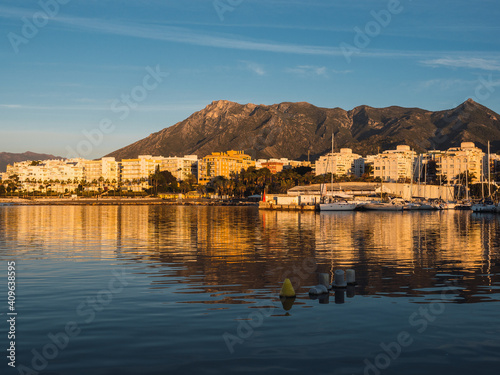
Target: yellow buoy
(287,289)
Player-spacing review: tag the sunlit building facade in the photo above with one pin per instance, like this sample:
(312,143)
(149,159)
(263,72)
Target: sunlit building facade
(395,165)
(182,168)
(140,168)
(103,170)
(457,160)
(223,164)
(340,163)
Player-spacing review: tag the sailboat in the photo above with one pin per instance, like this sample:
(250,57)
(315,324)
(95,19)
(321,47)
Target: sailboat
(335,204)
(465,205)
(391,205)
(486,205)
(413,205)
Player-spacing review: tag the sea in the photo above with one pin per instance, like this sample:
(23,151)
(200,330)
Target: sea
(196,290)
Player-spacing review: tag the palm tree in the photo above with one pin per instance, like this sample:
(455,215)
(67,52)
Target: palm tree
(113,182)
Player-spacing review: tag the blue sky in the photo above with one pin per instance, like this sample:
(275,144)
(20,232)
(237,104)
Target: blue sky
(62,76)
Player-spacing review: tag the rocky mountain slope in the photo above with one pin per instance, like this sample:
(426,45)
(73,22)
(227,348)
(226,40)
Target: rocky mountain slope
(294,130)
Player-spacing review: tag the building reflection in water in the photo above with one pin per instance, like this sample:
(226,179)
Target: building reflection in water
(230,251)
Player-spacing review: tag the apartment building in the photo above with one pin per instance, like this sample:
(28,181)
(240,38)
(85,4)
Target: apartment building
(277,165)
(140,168)
(395,165)
(182,168)
(456,160)
(223,164)
(341,163)
(105,169)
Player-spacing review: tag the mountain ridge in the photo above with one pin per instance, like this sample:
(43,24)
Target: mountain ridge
(298,129)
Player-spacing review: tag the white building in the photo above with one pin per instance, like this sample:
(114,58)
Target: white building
(395,165)
(341,163)
(182,168)
(456,160)
(59,175)
(104,170)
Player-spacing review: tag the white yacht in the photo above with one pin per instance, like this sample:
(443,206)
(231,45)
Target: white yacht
(485,205)
(338,206)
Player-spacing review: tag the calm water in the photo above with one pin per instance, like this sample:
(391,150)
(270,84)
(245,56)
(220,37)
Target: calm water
(193,290)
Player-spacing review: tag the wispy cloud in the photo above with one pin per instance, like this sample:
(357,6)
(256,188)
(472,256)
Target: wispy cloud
(334,71)
(254,67)
(445,84)
(471,63)
(174,34)
(204,38)
(149,108)
(308,70)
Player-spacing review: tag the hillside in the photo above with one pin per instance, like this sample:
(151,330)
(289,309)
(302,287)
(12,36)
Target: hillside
(293,130)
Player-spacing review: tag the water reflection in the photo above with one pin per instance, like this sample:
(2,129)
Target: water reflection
(240,253)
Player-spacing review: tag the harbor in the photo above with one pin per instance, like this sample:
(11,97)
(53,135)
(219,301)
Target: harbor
(351,196)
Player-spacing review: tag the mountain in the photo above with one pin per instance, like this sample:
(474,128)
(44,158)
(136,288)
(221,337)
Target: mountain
(293,130)
(10,158)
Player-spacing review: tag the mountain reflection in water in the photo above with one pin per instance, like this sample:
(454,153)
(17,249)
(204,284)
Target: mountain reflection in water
(238,253)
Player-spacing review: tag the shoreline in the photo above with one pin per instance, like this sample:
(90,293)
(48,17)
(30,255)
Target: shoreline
(116,202)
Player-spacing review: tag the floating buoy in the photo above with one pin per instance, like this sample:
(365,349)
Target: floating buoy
(287,289)
(318,289)
(324,279)
(339,281)
(351,277)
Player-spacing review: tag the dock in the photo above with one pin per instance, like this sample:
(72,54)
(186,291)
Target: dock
(286,207)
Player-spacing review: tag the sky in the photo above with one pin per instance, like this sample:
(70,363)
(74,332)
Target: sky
(86,77)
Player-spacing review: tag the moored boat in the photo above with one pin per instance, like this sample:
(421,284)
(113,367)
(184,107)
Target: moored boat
(463,206)
(417,206)
(394,205)
(485,205)
(338,206)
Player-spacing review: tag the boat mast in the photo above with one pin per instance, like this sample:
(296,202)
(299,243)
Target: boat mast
(411,182)
(482,180)
(419,176)
(488,164)
(467,179)
(331,175)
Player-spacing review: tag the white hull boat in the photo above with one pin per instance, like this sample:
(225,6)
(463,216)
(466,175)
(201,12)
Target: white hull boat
(337,206)
(483,207)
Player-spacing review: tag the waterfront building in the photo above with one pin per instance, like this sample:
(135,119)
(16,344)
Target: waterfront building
(341,163)
(456,160)
(296,163)
(274,166)
(223,164)
(277,165)
(59,175)
(395,165)
(135,172)
(182,168)
(105,171)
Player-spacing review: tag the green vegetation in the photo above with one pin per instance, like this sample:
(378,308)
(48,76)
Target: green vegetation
(253,181)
